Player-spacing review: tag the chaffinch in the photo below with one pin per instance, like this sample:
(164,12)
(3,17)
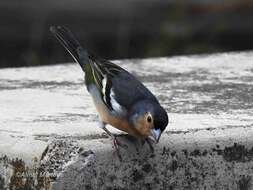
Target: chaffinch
(120,98)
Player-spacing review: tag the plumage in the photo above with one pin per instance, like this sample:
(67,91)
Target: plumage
(117,108)
(120,98)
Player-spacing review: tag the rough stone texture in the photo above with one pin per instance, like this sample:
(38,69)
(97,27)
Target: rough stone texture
(49,137)
(212,166)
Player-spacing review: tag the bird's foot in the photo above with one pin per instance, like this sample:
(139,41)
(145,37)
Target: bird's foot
(117,144)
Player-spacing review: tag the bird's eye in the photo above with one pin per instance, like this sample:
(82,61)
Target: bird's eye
(149,119)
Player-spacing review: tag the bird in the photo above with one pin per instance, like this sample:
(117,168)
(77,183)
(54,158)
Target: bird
(121,100)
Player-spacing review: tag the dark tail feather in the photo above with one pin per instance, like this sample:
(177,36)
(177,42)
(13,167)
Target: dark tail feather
(70,43)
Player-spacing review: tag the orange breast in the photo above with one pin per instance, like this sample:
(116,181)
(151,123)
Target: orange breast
(117,122)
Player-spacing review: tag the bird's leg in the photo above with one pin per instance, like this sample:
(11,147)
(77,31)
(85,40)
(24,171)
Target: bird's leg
(116,142)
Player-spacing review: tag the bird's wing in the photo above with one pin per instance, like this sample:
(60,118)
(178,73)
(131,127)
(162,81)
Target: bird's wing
(119,89)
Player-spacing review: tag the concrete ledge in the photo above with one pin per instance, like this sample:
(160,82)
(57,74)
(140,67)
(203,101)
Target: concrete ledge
(208,144)
(192,163)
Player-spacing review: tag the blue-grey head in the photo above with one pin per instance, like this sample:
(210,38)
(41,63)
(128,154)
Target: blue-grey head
(149,119)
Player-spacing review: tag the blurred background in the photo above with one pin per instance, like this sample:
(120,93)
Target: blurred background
(123,28)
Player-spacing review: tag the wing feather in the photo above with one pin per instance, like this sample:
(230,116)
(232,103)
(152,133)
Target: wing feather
(119,89)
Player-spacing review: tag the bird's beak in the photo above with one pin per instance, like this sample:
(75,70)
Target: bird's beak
(155,135)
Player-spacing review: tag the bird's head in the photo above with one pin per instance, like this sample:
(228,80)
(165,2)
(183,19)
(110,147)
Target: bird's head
(149,119)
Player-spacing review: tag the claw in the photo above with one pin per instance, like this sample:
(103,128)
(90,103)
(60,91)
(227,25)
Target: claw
(116,153)
(116,144)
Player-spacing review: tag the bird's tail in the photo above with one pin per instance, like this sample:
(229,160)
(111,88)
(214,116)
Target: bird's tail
(70,43)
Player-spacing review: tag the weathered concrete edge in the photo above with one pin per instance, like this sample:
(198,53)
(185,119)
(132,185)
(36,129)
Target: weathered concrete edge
(203,159)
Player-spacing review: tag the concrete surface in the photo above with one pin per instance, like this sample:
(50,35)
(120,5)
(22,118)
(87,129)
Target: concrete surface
(49,137)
